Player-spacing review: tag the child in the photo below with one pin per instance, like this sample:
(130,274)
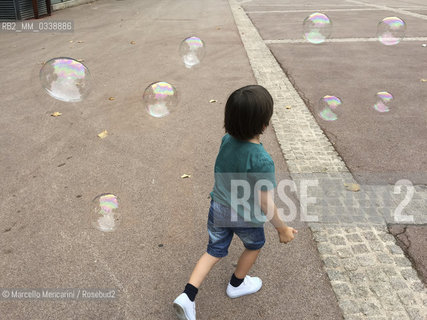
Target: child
(247,113)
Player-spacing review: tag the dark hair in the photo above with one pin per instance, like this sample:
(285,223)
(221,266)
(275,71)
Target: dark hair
(247,112)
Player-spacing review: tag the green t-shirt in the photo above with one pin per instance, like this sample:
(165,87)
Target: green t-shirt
(241,168)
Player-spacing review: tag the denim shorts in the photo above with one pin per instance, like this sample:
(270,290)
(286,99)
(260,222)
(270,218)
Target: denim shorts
(220,237)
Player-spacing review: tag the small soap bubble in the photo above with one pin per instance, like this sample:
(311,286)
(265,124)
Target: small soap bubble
(159,99)
(192,51)
(328,106)
(65,79)
(317,28)
(105,214)
(391,31)
(383,101)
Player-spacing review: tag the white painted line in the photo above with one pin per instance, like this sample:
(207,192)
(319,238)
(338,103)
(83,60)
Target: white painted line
(316,10)
(327,10)
(286,41)
(400,11)
(302,5)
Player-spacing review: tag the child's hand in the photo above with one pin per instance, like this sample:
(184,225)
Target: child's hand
(286,234)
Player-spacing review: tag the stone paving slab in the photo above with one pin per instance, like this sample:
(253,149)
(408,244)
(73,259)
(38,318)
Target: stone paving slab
(369,273)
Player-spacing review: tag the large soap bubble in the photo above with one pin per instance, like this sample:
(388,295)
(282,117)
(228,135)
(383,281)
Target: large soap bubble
(65,79)
(159,99)
(192,51)
(391,30)
(105,212)
(317,28)
(328,107)
(384,99)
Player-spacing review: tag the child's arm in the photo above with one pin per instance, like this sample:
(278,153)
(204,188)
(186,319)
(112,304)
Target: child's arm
(286,234)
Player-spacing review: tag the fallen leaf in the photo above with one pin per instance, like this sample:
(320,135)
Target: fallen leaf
(212,101)
(71,41)
(132,42)
(103,134)
(56,114)
(185,176)
(352,187)
(80,60)
(80,41)
(288,107)
(423,80)
(111,98)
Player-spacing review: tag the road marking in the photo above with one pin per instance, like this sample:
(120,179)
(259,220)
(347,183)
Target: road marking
(287,41)
(326,10)
(302,5)
(406,12)
(316,10)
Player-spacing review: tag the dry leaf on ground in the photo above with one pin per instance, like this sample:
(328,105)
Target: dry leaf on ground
(352,187)
(103,134)
(56,114)
(185,176)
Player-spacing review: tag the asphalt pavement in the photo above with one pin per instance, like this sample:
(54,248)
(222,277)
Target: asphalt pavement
(52,168)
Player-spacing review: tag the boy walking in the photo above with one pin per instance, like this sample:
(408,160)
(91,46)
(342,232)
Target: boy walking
(241,158)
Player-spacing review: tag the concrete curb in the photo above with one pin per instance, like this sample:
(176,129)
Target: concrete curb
(69,4)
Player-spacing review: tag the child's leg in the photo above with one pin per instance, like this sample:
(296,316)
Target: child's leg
(202,268)
(245,263)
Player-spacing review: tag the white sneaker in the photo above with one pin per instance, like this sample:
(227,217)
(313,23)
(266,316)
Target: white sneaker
(248,286)
(185,308)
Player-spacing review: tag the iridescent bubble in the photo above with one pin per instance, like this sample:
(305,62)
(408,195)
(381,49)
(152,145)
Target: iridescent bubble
(65,79)
(159,98)
(391,30)
(192,51)
(105,212)
(328,107)
(384,99)
(317,28)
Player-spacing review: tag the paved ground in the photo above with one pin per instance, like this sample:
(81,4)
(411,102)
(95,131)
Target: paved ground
(413,239)
(55,166)
(377,148)
(45,234)
(366,140)
(370,275)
